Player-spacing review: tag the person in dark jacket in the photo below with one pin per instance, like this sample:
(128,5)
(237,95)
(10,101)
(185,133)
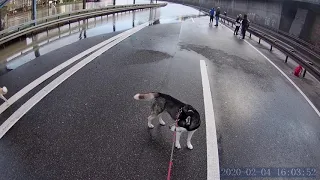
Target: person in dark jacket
(238,23)
(244,25)
(217,16)
(211,15)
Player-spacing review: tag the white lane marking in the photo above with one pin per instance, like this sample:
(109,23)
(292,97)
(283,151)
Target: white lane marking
(55,70)
(213,171)
(56,82)
(192,19)
(286,76)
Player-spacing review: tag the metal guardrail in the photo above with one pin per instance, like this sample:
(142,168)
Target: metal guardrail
(58,16)
(48,18)
(300,51)
(47,22)
(3,2)
(289,37)
(306,47)
(309,64)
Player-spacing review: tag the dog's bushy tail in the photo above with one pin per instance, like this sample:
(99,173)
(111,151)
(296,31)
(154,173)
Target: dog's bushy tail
(146,97)
(4,90)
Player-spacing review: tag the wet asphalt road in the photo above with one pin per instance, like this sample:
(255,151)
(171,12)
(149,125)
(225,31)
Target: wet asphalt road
(26,49)
(90,127)
(262,120)
(103,135)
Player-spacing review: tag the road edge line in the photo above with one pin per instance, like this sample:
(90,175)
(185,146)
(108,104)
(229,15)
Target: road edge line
(290,80)
(285,75)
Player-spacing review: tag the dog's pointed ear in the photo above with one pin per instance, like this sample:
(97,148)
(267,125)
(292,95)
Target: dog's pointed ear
(187,109)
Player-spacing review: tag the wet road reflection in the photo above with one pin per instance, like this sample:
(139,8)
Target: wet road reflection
(133,18)
(83,30)
(114,23)
(55,9)
(30,48)
(36,47)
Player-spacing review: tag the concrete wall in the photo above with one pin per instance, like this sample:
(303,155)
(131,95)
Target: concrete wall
(298,17)
(264,12)
(315,32)
(310,1)
(3,16)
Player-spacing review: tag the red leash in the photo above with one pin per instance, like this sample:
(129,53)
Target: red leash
(173,142)
(171,157)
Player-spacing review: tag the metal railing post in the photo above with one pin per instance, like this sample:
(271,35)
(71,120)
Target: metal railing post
(304,72)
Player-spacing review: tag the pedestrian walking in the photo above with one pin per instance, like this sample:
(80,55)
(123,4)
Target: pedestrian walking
(211,15)
(238,23)
(217,16)
(244,25)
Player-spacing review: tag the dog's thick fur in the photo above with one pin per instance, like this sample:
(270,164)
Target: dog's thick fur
(3,91)
(188,118)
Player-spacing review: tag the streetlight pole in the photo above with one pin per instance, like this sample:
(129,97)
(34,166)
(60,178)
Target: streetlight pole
(48,8)
(34,10)
(84,4)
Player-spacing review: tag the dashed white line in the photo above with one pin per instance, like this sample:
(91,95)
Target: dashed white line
(286,76)
(56,82)
(192,19)
(213,172)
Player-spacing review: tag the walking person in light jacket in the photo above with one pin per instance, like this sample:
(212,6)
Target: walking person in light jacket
(238,23)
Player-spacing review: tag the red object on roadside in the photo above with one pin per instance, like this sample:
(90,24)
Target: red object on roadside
(297,71)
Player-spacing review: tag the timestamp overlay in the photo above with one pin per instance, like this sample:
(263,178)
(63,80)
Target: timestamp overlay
(274,172)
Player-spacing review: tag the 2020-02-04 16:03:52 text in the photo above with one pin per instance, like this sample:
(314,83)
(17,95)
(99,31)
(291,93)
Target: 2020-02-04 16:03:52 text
(268,172)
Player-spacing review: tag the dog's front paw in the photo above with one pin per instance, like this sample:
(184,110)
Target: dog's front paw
(189,146)
(162,122)
(178,146)
(151,126)
(172,127)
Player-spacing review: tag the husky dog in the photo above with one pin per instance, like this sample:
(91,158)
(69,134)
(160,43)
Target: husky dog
(187,118)
(3,91)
